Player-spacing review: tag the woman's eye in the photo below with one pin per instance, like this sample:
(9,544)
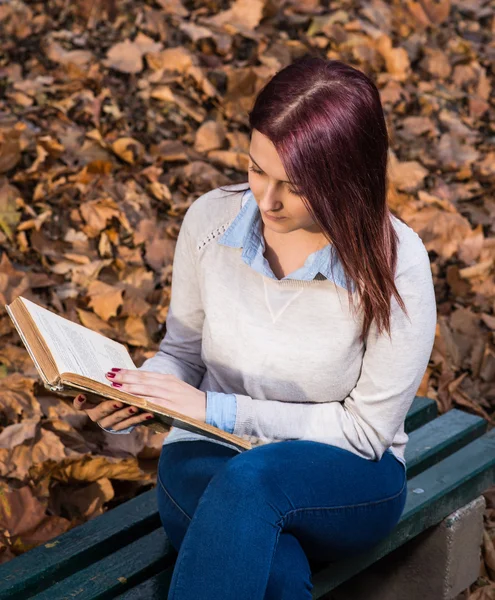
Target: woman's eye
(261,173)
(255,170)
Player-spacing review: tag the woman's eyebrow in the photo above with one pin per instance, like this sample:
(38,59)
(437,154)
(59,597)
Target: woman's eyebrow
(261,168)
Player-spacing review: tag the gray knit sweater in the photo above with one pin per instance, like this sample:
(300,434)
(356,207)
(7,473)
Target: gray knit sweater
(288,349)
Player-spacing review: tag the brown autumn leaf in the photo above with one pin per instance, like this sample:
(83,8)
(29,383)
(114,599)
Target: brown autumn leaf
(173,59)
(10,149)
(209,136)
(58,410)
(92,468)
(6,552)
(24,520)
(159,251)
(134,303)
(83,503)
(128,149)
(81,274)
(452,153)
(242,15)
(9,209)
(18,433)
(105,299)
(54,51)
(18,399)
(136,332)
(70,426)
(142,443)
(125,57)
(163,93)
(97,213)
(436,63)
(406,176)
(13,283)
(443,232)
(396,59)
(17,359)
(173,7)
(18,461)
(436,10)
(486,167)
(412,127)
(94,322)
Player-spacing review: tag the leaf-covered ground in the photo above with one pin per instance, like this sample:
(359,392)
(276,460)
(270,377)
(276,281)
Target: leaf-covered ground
(115,116)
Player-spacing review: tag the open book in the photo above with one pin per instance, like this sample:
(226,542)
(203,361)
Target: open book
(72,359)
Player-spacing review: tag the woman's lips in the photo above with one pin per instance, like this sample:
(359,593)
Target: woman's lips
(273,218)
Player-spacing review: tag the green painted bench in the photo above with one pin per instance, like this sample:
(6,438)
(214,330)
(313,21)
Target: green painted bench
(125,552)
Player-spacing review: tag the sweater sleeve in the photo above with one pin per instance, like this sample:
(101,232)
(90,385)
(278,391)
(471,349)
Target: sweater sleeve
(366,421)
(179,352)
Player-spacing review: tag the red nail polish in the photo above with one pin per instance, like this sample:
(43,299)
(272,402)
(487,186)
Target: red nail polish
(149,416)
(116,406)
(116,384)
(111,375)
(115,370)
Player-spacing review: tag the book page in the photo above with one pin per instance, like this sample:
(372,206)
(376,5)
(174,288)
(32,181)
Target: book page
(77,349)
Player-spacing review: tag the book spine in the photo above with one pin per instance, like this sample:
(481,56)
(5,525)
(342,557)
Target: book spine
(25,342)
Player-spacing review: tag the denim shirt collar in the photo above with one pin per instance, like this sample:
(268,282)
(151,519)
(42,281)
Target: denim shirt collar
(245,232)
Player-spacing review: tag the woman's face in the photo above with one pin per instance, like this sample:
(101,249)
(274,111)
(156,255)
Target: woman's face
(273,194)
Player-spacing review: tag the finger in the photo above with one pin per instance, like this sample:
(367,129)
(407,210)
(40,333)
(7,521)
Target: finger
(88,400)
(148,391)
(79,402)
(123,419)
(97,412)
(137,376)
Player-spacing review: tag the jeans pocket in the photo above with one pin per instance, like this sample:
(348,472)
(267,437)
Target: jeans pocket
(174,520)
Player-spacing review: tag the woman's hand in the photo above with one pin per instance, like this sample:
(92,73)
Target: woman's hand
(109,413)
(166,390)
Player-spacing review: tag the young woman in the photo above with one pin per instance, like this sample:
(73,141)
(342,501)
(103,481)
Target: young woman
(308,335)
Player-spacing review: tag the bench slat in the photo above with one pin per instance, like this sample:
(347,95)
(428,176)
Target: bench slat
(156,587)
(127,566)
(441,437)
(422,411)
(81,546)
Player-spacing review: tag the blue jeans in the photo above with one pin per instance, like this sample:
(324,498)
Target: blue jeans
(250,525)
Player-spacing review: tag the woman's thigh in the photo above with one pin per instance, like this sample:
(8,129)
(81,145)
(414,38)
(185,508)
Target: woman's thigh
(333,501)
(184,471)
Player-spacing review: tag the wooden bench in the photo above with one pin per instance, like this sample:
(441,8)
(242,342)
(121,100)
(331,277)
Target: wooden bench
(125,552)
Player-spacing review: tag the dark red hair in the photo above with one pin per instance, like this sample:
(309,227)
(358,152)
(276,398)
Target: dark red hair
(326,121)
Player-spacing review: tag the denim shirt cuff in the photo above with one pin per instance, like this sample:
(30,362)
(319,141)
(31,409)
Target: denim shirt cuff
(221,410)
